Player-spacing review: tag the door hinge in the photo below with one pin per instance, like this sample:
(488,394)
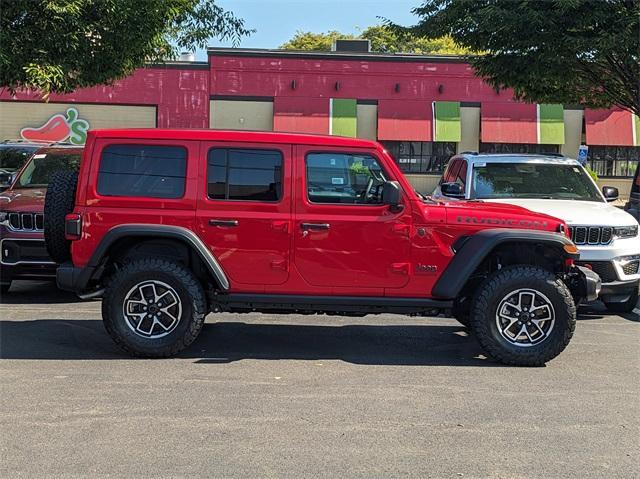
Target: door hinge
(402,229)
(400,268)
(280,264)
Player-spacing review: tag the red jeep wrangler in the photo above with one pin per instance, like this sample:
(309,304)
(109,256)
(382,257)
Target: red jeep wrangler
(169,225)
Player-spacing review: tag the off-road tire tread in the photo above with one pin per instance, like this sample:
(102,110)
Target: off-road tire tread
(189,282)
(481,306)
(59,202)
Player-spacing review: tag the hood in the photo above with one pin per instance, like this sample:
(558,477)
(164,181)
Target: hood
(23,199)
(597,213)
(495,215)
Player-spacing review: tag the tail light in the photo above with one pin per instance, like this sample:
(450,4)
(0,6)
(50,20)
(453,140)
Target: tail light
(73,226)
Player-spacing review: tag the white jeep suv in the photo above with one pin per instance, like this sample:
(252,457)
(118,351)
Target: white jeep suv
(558,186)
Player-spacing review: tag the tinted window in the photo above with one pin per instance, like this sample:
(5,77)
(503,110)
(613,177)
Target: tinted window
(533,180)
(451,171)
(41,167)
(461,177)
(344,178)
(143,170)
(13,157)
(245,175)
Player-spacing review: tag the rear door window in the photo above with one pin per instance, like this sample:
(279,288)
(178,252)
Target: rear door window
(154,171)
(244,174)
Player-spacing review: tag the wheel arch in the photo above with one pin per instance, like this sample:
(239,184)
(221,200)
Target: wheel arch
(472,252)
(121,240)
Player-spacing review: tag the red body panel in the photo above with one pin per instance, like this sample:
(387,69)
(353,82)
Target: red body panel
(368,250)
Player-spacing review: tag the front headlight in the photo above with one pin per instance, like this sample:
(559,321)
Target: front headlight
(626,231)
(4,218)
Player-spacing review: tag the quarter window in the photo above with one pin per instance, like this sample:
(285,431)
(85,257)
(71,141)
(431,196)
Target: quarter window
(344,178)
(142,170)
(244,174)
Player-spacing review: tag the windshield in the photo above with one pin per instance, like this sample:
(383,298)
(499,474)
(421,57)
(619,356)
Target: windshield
(13,157)
(40,168)
(532,180)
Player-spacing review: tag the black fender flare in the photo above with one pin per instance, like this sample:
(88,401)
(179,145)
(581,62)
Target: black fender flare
(476,248)
(160,231)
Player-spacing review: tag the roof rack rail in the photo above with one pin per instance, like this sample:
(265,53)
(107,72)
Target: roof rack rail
(469,153)
(558,155)
(37,142)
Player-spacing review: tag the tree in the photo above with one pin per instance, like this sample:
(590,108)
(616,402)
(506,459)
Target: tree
(314,41)
(562,51)
(57,46)
(383,39)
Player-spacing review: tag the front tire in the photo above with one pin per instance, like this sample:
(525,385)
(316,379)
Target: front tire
(523,316)
(154,308)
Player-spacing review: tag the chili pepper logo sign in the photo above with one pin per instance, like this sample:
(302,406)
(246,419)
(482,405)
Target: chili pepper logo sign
(59,128)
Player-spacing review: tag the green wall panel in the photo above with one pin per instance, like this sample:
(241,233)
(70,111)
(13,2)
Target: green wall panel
(344,114)
(446,120)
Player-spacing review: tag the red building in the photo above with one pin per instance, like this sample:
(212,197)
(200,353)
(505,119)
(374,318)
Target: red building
(423,108)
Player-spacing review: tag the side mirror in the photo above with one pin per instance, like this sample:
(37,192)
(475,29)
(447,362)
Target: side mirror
(391,195)
(453,190)
(610,193)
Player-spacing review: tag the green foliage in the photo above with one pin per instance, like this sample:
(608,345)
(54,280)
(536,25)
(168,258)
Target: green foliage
(561,51)
(358,168)
(383,39)
(592,173)
(57,46)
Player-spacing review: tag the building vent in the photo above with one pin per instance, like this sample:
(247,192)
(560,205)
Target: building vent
(358,46)
(187,57)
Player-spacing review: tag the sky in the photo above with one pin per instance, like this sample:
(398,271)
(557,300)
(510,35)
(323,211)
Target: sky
(276,21)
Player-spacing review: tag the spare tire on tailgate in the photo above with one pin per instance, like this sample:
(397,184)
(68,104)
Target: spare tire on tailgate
(59,202)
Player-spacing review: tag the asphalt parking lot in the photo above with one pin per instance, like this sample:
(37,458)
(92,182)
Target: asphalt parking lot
(296,396)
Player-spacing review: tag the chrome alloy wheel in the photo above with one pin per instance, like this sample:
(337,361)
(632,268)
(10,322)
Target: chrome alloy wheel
(525,317)
(152,309)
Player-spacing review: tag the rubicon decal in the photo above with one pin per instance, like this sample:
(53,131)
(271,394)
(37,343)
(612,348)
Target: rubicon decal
(59,128)
(503,222)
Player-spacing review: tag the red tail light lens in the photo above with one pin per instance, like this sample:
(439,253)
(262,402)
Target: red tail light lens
(73,226)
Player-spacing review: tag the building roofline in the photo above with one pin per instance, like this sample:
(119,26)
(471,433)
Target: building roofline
(369,56)
(178,65)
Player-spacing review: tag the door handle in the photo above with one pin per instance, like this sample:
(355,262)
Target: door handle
(315,226)
(226,223)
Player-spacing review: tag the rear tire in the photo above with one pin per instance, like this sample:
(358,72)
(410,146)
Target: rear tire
(59,202)
(4,287)
(153,308)
(523,316)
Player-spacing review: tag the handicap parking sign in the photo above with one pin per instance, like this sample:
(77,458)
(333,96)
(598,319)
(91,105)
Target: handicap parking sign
(582,154)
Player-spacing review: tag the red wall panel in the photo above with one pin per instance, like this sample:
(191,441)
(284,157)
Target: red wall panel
(363,79)
(508,123)
(408,120)
(301,115)
(181,95)
(608,127)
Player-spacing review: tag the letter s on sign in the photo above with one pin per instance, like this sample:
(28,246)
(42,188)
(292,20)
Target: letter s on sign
(78,134)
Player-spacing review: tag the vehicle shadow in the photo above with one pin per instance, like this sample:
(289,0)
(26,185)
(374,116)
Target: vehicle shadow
(226,342)
(598,310)
(40,292)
